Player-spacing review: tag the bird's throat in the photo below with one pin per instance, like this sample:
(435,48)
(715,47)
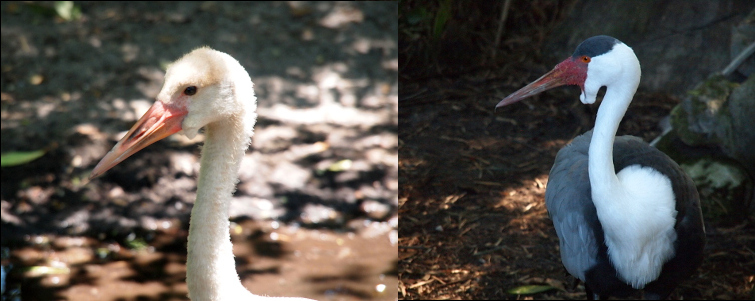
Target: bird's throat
(603,179)
(211,269)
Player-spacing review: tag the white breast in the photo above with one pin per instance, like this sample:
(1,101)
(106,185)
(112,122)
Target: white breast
(639,224)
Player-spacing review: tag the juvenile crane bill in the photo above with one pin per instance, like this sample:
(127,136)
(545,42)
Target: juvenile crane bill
(158,122)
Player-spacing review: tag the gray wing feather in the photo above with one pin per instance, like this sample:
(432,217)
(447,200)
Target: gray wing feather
(569,202)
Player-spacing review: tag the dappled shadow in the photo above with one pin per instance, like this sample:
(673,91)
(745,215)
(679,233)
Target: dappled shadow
(325,77)
(352,274)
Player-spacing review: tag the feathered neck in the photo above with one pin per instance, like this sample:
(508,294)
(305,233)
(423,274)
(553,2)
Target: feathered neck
(211,270)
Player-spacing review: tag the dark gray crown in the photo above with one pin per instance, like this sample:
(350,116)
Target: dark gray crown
(595,46)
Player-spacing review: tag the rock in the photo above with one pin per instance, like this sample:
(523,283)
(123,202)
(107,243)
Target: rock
(719,113)
(677,42)
(724,188)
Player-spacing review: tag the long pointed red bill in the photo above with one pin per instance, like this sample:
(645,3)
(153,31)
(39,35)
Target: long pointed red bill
(158,122)
(568,72)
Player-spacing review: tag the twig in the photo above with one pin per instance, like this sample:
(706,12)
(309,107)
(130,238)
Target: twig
(504,16)
(746,53)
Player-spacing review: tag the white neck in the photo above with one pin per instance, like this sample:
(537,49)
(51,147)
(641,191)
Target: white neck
(211,270)
(210,267)
(601,170)
(619,71)
(636,206)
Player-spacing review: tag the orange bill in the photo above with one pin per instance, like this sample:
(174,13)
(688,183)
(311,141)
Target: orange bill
(158,122)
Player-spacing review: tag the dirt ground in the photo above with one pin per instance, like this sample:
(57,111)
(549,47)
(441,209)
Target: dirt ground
(315,213)
(472,179)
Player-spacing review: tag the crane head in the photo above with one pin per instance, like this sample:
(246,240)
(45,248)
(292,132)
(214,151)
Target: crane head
(598,61)
(200,88)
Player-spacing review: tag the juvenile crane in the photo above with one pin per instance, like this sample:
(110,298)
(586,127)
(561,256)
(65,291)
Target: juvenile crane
(627,216)
(210,89)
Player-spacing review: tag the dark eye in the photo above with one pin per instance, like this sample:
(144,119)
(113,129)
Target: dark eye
(191,90)
(585,59)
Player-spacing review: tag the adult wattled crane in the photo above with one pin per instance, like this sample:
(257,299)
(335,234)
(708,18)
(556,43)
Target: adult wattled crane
(627,216)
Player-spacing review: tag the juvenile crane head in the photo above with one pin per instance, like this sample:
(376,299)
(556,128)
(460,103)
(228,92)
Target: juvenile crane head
(598,61)
(202,87)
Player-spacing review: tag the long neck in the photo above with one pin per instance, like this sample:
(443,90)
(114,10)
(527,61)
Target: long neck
(602,174)
(211,271)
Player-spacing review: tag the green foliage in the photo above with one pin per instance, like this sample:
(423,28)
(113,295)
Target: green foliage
(19,158)
(426,19)
(339,166)
(136,244)
(441,18)
(40,270)
(67,10)
(41,10)
(529,289)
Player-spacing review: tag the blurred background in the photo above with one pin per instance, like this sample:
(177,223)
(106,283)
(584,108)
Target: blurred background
(315,213)
(471,200)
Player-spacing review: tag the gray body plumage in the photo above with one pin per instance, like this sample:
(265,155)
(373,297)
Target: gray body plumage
(581,237)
